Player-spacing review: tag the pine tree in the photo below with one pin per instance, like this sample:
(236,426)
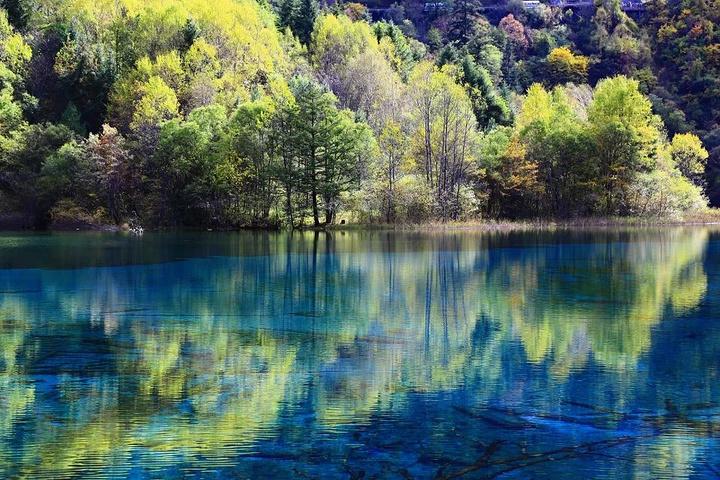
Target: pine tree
(287,14)
(304,20)
(464,15)
(191,31)
(327,143)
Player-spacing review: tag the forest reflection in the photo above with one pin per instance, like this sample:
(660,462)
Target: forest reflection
(264,336)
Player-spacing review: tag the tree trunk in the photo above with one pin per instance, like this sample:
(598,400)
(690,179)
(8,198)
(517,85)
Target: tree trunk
(316,214)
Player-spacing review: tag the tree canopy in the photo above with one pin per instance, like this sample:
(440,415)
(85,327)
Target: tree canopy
(241,113)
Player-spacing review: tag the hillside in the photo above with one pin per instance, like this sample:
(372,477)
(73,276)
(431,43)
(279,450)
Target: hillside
(238,113)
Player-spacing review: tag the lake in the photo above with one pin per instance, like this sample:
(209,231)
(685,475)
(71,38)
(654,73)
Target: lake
(533,354)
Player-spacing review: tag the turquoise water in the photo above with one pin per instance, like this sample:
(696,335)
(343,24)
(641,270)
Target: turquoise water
(575,354)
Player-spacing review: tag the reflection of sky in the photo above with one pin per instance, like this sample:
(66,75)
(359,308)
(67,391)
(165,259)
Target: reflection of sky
(399,355)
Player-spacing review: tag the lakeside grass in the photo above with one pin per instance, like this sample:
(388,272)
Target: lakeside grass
(709,217)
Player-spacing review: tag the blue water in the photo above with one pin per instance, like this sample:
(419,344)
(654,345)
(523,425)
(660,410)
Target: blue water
(358,355)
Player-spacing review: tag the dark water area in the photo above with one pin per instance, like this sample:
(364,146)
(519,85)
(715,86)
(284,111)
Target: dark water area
(535,354)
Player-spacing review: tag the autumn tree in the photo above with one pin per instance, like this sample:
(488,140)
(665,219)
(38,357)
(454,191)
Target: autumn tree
(689,155)
(446,135)
(117,176)
(563,66)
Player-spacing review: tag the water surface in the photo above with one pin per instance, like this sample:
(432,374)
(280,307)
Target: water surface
(569,354)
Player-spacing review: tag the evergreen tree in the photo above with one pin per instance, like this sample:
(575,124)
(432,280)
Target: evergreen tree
(287,13)
(304,20)
(18,12)
(463,17)
(191,31)
(328,144)
(490,108)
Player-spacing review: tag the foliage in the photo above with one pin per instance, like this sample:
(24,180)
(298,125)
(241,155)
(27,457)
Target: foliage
(327,145)
(243,113)
(689,156)
(446,136)
(563,66)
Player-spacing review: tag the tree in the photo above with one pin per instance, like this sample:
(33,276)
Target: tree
(157,103)
(329,147)
(14,57)
(690,157)
(615,36)
(23,179)
(66,185)
(510,179)
(490,58)
(117,177)
(287,14)
(463,17)
(184,170)
(393,142)
(369,86)
(563,66)
(15,53)
(304,20)
(434,39)
(515,31)
(446,135)
(625,134)
(557,141)
(357,11)
(402,52)
(254,145)
(18,12)
(490,108)
(336,41)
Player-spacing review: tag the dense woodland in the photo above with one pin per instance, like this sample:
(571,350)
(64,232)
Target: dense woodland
(237,113)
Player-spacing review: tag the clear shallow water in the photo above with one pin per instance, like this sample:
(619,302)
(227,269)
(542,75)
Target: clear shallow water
(575,354)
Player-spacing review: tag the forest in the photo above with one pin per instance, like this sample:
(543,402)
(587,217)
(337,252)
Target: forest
(243,113)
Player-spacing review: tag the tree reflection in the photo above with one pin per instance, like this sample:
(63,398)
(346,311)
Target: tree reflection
(196,361)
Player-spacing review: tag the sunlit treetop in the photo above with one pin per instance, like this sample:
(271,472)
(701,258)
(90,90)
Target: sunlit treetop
(242,31)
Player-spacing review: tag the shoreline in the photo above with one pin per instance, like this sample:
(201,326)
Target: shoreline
(701,219)
(538,224)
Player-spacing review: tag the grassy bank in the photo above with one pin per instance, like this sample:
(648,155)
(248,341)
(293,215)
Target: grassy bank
(709,217)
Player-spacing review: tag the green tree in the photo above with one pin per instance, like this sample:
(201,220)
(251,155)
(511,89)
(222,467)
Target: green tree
(184,169)
(489,106)
(463,16)
(254,147)
(15,54)
(157,103)
(558,142)
(287,13)
(336,41)
(23,179)
(19,12)
(393,143)
(689,156)
(304,20)
(617,39)
(406,52)
(625,134)
(329,147)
